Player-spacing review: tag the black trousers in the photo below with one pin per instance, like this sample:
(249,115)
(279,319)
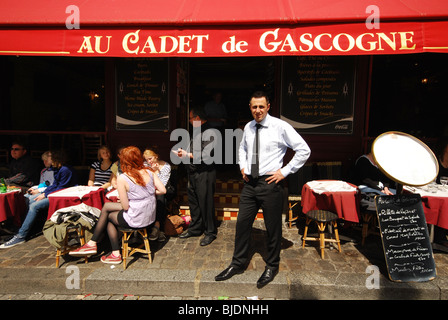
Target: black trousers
(256,194)
(200,191)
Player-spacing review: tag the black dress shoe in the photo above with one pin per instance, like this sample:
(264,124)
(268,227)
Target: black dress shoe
(267,276)
(207,240)
(228,273)
(187,234)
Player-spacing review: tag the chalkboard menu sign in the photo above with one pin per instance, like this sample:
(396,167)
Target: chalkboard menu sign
(142,94)
(404,233)
(318,94)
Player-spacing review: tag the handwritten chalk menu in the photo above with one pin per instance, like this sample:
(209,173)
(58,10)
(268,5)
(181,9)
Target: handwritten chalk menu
(404,233)
(318,94)
(142,94)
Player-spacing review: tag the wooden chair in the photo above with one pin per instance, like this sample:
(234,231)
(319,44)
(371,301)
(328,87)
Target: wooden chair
(127,250)
(368,215)
(80,231)
(293,200)
(369,222)
(322,218)
(295,183)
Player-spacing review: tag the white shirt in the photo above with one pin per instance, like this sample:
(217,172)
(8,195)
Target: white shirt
(275,137)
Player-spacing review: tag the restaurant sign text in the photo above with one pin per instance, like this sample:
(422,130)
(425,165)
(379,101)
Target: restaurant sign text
(270,42)
(337,39)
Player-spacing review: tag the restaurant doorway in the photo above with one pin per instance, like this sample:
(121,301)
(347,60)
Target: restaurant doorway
(236,79)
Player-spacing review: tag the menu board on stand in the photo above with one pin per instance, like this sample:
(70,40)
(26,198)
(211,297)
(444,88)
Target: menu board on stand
(142,94)
(404,232)
(405,237)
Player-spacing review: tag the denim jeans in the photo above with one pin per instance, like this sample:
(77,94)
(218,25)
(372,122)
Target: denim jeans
(35,208)
(30,198)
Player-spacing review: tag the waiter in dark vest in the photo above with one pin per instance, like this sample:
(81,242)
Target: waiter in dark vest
(263,146)
(201,179)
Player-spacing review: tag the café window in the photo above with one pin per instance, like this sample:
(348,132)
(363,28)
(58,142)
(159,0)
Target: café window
(408,94)
(53,94)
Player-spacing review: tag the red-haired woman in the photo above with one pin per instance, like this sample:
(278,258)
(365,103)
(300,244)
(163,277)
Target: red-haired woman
(137,187)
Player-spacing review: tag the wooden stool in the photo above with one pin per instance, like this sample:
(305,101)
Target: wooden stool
(293,200)
(80,230)
(128,251)
(369,221)
(322,217)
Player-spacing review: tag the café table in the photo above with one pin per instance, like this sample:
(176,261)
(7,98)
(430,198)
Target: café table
(12,205)
(91,196)
(336,196)
(112,196)
(435,207)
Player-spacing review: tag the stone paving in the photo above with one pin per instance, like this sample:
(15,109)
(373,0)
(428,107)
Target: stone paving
(188,271)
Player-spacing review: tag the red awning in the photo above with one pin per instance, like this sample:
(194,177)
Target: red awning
(152,28)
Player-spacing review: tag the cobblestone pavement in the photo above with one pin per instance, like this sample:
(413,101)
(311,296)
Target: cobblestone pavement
(186,258)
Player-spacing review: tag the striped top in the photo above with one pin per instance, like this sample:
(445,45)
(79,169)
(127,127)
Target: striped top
(164,172)
(101,176)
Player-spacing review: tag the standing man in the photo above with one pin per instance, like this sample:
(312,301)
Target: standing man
(201,180)
(261,168)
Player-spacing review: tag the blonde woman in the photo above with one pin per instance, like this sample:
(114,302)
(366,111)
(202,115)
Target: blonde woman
(163,170)
(100,171)
(158,166)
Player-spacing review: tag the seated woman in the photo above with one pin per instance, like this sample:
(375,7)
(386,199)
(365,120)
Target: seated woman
(100,171)
(137,187)
(163,171)
(158,166)
(64,177)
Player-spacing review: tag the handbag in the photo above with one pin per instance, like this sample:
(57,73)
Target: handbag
(174,225)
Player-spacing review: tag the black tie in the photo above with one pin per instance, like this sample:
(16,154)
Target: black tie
(256,164)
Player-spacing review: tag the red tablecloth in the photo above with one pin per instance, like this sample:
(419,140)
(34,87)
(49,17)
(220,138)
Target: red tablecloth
(436,210)
(112,196)
(345,204)
(12,205)
(435,205)
(94,199)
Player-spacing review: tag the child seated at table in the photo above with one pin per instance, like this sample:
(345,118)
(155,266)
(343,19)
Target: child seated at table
(46,178)
(64,177)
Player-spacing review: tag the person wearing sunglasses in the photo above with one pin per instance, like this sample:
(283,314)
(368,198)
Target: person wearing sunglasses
(24,171)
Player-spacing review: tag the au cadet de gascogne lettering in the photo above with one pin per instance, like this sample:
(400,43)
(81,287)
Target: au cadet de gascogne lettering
(270,42)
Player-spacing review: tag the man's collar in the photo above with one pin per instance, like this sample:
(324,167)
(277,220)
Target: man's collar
(264,122)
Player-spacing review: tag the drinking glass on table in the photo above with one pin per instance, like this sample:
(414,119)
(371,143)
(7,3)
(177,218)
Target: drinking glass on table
(444,181)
